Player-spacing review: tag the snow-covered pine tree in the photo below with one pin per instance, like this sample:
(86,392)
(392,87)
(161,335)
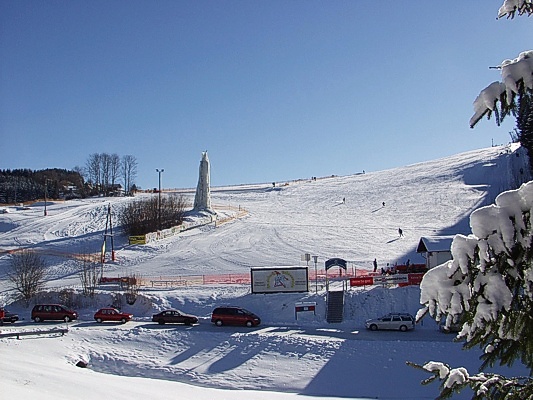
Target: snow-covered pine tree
(488,286)
(511,96)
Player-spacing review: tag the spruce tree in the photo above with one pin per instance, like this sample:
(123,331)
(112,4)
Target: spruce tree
(488,287)
(524,124)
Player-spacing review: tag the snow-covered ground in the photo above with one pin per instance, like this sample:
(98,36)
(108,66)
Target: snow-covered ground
(283,358)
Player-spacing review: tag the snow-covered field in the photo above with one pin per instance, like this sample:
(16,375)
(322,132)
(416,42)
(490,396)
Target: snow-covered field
(283,358)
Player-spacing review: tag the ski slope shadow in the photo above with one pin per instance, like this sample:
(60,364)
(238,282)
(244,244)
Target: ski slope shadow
(393,379)
(347,372)
(220,357)
(236,357)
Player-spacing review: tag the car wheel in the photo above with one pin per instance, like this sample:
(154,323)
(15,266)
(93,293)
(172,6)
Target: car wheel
(37,319)
(66,319)
(161,322)
(218,322)
(373,327)
(403,328)
(249,324)
(123,320)
(99,320)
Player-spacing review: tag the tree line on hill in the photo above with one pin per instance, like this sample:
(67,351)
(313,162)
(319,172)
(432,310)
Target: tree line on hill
(104,174)
(23,185)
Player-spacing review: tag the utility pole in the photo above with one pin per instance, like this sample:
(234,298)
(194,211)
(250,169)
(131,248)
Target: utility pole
(159,171)
(45,194)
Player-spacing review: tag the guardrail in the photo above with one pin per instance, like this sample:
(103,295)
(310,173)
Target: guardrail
(62,331)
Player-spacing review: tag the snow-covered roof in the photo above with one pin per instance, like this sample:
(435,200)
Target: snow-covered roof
(434,244)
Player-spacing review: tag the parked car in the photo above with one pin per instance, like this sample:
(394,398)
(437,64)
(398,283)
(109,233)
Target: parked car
(173,316)
(231,315)
(111,314)
(393,321)
(57,312)
(10,317)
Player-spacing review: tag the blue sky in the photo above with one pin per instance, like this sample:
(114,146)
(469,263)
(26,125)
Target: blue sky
(273,90)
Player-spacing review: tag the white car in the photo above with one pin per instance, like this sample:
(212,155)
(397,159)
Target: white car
(394,321)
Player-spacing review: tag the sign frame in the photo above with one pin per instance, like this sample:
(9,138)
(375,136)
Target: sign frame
(279,279)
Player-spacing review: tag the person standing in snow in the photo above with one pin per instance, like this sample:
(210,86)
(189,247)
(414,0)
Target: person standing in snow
(383,204)
(344,200)
(400,232)
(375,265)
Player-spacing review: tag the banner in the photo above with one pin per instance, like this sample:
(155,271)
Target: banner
(362,281)
(395,279)
(280,280)
(140,239)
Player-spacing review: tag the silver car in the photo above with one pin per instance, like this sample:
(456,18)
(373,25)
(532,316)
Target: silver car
(394,321)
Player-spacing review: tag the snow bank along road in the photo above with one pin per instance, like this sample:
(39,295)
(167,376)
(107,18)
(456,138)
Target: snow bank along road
(307,360)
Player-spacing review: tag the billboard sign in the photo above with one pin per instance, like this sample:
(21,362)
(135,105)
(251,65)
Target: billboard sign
(280,280)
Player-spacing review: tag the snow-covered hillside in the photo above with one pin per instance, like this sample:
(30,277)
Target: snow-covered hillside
(286,221)
(281,222)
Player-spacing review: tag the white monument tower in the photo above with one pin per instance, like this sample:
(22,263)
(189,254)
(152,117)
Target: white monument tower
(202,200)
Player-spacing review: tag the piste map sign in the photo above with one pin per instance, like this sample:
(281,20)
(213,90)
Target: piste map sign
(280,280)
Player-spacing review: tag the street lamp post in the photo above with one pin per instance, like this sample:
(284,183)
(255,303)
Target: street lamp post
(159,171)
(315,259)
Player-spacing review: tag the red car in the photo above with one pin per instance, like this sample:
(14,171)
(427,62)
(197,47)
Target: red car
(56,312)
(230,315)
(111,314)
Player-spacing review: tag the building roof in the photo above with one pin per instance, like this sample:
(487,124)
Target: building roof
(429,244)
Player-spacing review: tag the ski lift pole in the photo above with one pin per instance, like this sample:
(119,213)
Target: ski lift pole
(111,232)
(102,258)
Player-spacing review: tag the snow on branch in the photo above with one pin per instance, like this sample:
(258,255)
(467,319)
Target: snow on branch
(484,385)
(517,75)
(510,7)
(484,267)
